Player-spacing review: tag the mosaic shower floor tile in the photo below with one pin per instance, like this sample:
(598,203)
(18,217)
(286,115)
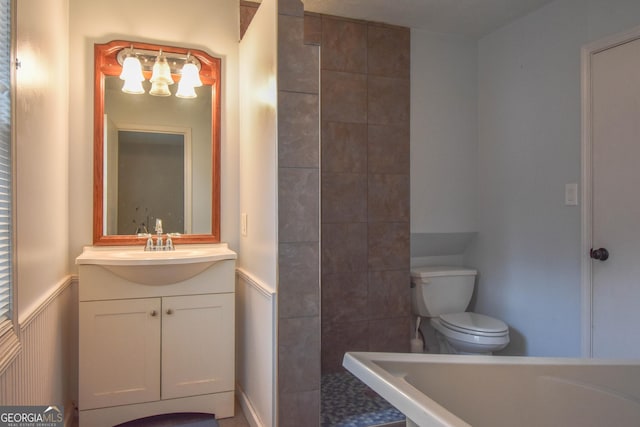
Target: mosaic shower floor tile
(347,402)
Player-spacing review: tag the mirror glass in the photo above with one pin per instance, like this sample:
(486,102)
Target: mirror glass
(155,156)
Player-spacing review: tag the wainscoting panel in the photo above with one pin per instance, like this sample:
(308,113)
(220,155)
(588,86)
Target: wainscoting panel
(256,326)
(44,372)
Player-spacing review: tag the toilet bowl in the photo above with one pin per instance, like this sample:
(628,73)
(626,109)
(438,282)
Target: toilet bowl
(471,333)
(442,294)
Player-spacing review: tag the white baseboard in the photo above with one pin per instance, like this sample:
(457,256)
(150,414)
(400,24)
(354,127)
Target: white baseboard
(249,413)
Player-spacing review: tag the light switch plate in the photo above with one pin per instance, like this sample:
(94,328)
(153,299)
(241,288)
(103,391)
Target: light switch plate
(243,224)
(571,194)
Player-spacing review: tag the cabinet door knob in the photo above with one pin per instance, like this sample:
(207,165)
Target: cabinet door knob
(153,313)
(169,311)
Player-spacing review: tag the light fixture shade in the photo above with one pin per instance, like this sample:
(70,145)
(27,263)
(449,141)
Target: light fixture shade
(132,86)
(131,69)
(159,89)
(185,89)
(161,71)
(132,75)
(191,74)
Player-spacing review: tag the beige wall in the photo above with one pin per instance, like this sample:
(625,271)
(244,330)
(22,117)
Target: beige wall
(258,180)
(45,295)
(257,259)
(210,25)
(42,204)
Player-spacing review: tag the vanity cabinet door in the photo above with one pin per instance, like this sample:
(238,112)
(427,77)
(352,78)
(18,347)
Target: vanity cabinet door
(197,345)
(119,357)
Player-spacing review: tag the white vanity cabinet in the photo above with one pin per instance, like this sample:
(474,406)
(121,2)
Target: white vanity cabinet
(119,352)
(188,366)
(148,349)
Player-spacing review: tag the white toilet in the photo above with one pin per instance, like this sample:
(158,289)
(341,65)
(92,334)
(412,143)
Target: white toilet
(443,294)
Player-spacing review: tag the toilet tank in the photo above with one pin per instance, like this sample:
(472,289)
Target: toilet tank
(441,290)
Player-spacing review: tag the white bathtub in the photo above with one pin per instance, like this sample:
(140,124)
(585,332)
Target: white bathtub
(450,390)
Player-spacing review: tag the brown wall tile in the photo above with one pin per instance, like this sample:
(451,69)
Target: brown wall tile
(299,409)
(389,51)
(344,297)
(298,132)
(388,101)
(344,247)
(344,97)
(388,149)
(344,197)
(297,63)
(338,338)
(291,7)
(299,354)
(298,205)
(344,45)
(389,294)
(344,147)
(247,12)
(388,198)
(312,29)
(390,335)
(388,245)
(298,279)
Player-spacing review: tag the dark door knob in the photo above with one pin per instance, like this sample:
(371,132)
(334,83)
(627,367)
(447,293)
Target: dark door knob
(600,254)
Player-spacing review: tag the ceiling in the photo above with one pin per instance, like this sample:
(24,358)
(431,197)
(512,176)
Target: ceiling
(469,18)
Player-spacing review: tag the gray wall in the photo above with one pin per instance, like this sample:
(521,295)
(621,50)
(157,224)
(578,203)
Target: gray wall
(444,132)
(528,244)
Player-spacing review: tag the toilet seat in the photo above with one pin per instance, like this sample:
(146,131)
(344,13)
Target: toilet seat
(474,324)
(472,333)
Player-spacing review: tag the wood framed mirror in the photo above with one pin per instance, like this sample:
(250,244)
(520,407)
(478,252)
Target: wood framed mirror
(155,156)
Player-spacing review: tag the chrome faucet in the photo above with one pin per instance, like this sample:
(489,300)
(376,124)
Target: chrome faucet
(159,245)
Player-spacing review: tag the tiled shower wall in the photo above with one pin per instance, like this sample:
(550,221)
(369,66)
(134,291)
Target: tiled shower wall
(364,74)
(298,221)
(365,188)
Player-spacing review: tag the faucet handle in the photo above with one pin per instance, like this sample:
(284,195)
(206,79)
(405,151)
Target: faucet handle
(149,245)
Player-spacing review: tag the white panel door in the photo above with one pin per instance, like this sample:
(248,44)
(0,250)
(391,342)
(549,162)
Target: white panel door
(197,344)
(615,87)
(120,352)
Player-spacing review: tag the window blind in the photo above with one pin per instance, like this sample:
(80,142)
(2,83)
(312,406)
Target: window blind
(6,229)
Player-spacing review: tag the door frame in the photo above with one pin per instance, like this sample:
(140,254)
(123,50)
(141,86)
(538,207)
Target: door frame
(587,53)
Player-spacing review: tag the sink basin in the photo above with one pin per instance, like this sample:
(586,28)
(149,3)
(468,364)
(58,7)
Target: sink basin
(135,264)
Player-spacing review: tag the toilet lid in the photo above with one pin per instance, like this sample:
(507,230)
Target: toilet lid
(436,271)
(474,323)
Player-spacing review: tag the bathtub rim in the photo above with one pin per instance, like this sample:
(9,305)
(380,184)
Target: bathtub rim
(415,404)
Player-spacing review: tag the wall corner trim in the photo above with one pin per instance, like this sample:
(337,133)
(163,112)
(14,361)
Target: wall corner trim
(24,319)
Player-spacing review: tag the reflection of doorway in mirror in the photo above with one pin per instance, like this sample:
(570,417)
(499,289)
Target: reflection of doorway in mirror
(152,179)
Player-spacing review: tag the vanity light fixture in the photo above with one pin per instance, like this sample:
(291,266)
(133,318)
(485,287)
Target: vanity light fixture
(161,65)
